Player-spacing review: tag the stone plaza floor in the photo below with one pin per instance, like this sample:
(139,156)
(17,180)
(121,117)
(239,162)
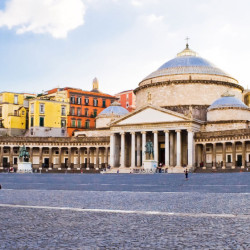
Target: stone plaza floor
(125,211)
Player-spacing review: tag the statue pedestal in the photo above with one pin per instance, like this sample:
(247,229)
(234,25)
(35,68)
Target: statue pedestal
(150,166)
(24,167)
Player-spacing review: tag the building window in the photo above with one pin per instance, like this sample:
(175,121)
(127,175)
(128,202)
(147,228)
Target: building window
(63,123)
(63,110)
(73,123)
(32,108)
(15,99)
(78,111)
(72,99)
(127,105)
(32,121)
(41,121)
(86,101)
(127,96)
(103,103)
(95,102)
(15,113)
(87,124)
(79,100)
(95,112)
(1,111)
(79,123)
(41,108)
(86,112)
(72,111)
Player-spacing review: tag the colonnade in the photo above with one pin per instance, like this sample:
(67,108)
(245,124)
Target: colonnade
(227,154)
(127,149)
(57,157)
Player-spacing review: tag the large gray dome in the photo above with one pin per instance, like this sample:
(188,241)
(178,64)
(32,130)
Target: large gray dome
(187,62)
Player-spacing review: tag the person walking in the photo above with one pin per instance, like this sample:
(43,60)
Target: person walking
(186,174)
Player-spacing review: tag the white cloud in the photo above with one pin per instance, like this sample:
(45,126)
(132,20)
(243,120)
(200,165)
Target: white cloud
(56,17)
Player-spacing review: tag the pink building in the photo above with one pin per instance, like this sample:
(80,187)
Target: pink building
(127,99)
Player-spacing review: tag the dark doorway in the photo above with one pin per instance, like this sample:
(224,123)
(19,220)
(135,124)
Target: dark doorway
(46,163)
(66,161)
(85,163)
(239,160)
(5,162)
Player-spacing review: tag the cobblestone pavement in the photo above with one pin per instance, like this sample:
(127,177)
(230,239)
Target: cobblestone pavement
(209,211)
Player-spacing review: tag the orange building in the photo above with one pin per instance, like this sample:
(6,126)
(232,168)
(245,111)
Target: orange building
(127,99)
(84,106)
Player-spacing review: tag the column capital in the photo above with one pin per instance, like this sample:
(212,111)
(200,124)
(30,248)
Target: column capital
(166,131)
(155,132)
(190,130)
(143,132)
(122,133)
(132,133)
(178,130)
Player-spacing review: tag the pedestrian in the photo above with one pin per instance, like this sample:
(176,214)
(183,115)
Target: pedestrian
(0,186)
(186,174)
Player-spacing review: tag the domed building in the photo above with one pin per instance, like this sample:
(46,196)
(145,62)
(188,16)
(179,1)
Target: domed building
(187,80)
(190,111)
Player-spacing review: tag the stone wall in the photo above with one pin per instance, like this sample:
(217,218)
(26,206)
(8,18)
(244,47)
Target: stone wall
(197,111)
(228,114)
(220,126)
(174,94)
(93,133)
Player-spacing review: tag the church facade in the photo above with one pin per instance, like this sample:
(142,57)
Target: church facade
(192,112)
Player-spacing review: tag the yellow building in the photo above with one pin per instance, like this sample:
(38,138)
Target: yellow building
(13,113)
(48,116)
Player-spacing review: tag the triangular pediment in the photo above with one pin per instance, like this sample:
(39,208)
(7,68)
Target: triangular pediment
(151,114)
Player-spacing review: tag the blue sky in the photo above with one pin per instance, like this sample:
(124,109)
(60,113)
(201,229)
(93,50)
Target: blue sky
(50,43)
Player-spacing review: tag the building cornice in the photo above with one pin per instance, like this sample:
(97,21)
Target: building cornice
(165,83)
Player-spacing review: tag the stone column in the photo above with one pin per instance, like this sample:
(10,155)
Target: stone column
(166,148)
(214,156)
(204,155)
(88,158)
(233,155)
(69,157)
(155,145)
(11,156)
(1,157)
(190,148)
(31,155)
(178,151)
(144,133)
(106,157)
(79,157)
(138,149)
(112,150)
(40,157)
(224,155)
(50,158)
(60,157)
(243,165)
(132,149)
(122,149)
(97,158)
(171,149)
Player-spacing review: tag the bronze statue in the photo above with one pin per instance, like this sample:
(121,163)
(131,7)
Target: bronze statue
(149,150)
(24,154)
